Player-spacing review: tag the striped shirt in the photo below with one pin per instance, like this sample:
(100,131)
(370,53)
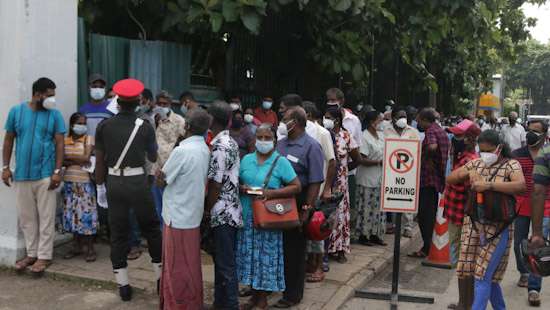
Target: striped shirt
(95,113)
(527,163)
(74,148)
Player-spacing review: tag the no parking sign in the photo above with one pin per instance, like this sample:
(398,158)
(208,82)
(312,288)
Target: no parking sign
(400,182)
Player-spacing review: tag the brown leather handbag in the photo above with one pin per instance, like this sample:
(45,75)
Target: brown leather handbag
(281,213)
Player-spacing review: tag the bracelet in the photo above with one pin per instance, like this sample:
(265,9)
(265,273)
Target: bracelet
(5,167)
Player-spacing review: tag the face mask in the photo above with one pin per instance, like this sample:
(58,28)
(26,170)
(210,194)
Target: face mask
(49,103)
(162,112)
(80,129)
(380,127)
(458,145)
(333,103)
(328,123)
(488,158)
(267,105)
(401,123)
(282,130)
(235,106)
(481,122)
(264,147)
(236,123)
(248,118)
(165,111)
(183,109)
(533,138)
(359,107)
(97,93)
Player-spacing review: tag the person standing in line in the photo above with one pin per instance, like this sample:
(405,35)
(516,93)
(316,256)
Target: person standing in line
(455,197)
(184,177)
(260,259)
(399,129)
(122,144)
(250,121)
(79,196)
(37,129)
(371,222)
(265,114)
(306,157)
(170,129)
(96,109)
(351,123)
(435,150)
(223,206)
(485,247)
(241,134)
(317,250)
(526,156)
(347,157)
(514,133)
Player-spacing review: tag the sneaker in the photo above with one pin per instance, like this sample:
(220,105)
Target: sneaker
(534,299)
(522,282)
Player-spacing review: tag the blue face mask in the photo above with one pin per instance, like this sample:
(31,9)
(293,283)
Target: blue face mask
(264,147)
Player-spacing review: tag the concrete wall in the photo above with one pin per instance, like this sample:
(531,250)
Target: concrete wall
(37,38)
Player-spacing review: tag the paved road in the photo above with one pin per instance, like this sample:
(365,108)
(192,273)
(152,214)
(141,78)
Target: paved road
(442,285)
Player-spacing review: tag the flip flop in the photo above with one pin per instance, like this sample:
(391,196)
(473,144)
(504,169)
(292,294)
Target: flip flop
(245,292)
(72,254)
(316,277)
(417,254)
(91,257)
(21,265)
(284,304)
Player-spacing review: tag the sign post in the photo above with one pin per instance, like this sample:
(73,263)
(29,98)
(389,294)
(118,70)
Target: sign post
(399,194)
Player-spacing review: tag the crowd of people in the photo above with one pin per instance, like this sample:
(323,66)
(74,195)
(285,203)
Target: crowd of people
(185,177)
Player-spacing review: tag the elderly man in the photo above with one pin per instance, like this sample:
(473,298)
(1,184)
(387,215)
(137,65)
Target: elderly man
(184,174)
(514,134)
(170,129)
(306,157)
(223,206)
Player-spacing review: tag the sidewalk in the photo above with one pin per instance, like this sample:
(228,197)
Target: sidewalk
(339,285)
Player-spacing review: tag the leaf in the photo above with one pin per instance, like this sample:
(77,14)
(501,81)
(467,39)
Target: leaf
(173,7)
(251,20)
(388,15)
(285,2)
(230,10)
(357,72)
(216,20)
(194,12)
(212,3)
(340,5)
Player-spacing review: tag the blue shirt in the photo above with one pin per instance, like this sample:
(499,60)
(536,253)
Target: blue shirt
(253,175)
(186,174)
(95,113)
(305,156)
(34,140)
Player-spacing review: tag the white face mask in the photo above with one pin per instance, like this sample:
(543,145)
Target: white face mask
(80,129)
(489,158)
(401,123)
(328,123)
(359,107)
(333,103)
(97,93)
(282,130)
(267,105)
(235,106)
(380,127)
(49,103)
(248,118)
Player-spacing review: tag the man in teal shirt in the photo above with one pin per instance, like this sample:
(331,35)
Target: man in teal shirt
(37,129)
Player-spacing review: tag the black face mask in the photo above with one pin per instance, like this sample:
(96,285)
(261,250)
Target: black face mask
(236,124)
(458,145)
(534,138)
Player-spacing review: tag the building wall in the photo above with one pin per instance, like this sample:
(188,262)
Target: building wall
(37,38)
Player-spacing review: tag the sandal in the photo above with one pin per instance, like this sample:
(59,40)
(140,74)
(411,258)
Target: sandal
(22,264)
(284,304)
(72,253)
(245,292)
(376,240)
(40,266)
(417,254)
(91,257)
(316,277)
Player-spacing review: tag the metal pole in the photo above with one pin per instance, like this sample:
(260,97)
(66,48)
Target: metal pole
(396,252)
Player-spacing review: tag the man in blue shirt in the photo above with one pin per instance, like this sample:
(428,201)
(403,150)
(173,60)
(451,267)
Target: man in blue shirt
(37,129)
(96,110)
(306,157)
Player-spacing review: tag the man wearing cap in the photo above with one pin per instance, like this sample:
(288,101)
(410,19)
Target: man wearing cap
(265,114)
(96,110)
(122,144)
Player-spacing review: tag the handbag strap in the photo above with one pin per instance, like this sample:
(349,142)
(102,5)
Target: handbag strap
(138,124)
(268,176)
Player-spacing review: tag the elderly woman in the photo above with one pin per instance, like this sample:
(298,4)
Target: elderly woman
(345,148)
(260,260)
(485,248)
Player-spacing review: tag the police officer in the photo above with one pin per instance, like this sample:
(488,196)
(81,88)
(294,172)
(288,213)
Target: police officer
(122,144)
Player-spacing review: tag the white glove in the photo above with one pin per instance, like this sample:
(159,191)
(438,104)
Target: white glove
(102,196)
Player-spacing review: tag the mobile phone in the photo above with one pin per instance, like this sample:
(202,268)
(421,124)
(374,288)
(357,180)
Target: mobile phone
(258,191)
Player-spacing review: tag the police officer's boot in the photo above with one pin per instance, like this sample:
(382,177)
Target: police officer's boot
(157,267)
(124,288)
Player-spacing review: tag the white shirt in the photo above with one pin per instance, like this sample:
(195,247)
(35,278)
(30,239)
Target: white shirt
(186,174)
(515,136)
(321,135)
(407,133)
(353,125)
(373,149)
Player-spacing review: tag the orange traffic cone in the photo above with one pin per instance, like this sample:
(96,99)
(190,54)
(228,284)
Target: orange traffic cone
(439,250)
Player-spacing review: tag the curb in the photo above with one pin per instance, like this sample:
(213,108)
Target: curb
(367,273)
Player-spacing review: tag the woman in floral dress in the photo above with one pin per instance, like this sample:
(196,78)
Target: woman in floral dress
(345,147)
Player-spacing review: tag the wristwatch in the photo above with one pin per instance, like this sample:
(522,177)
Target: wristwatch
(5,167)
(56,171)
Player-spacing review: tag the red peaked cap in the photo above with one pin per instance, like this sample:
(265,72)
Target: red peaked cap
(128,89)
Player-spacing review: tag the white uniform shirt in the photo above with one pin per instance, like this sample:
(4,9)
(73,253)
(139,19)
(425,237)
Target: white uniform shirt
(321,135)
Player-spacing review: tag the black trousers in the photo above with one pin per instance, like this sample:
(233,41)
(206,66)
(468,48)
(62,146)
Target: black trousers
(123,194)
(427,211)
(294,248)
